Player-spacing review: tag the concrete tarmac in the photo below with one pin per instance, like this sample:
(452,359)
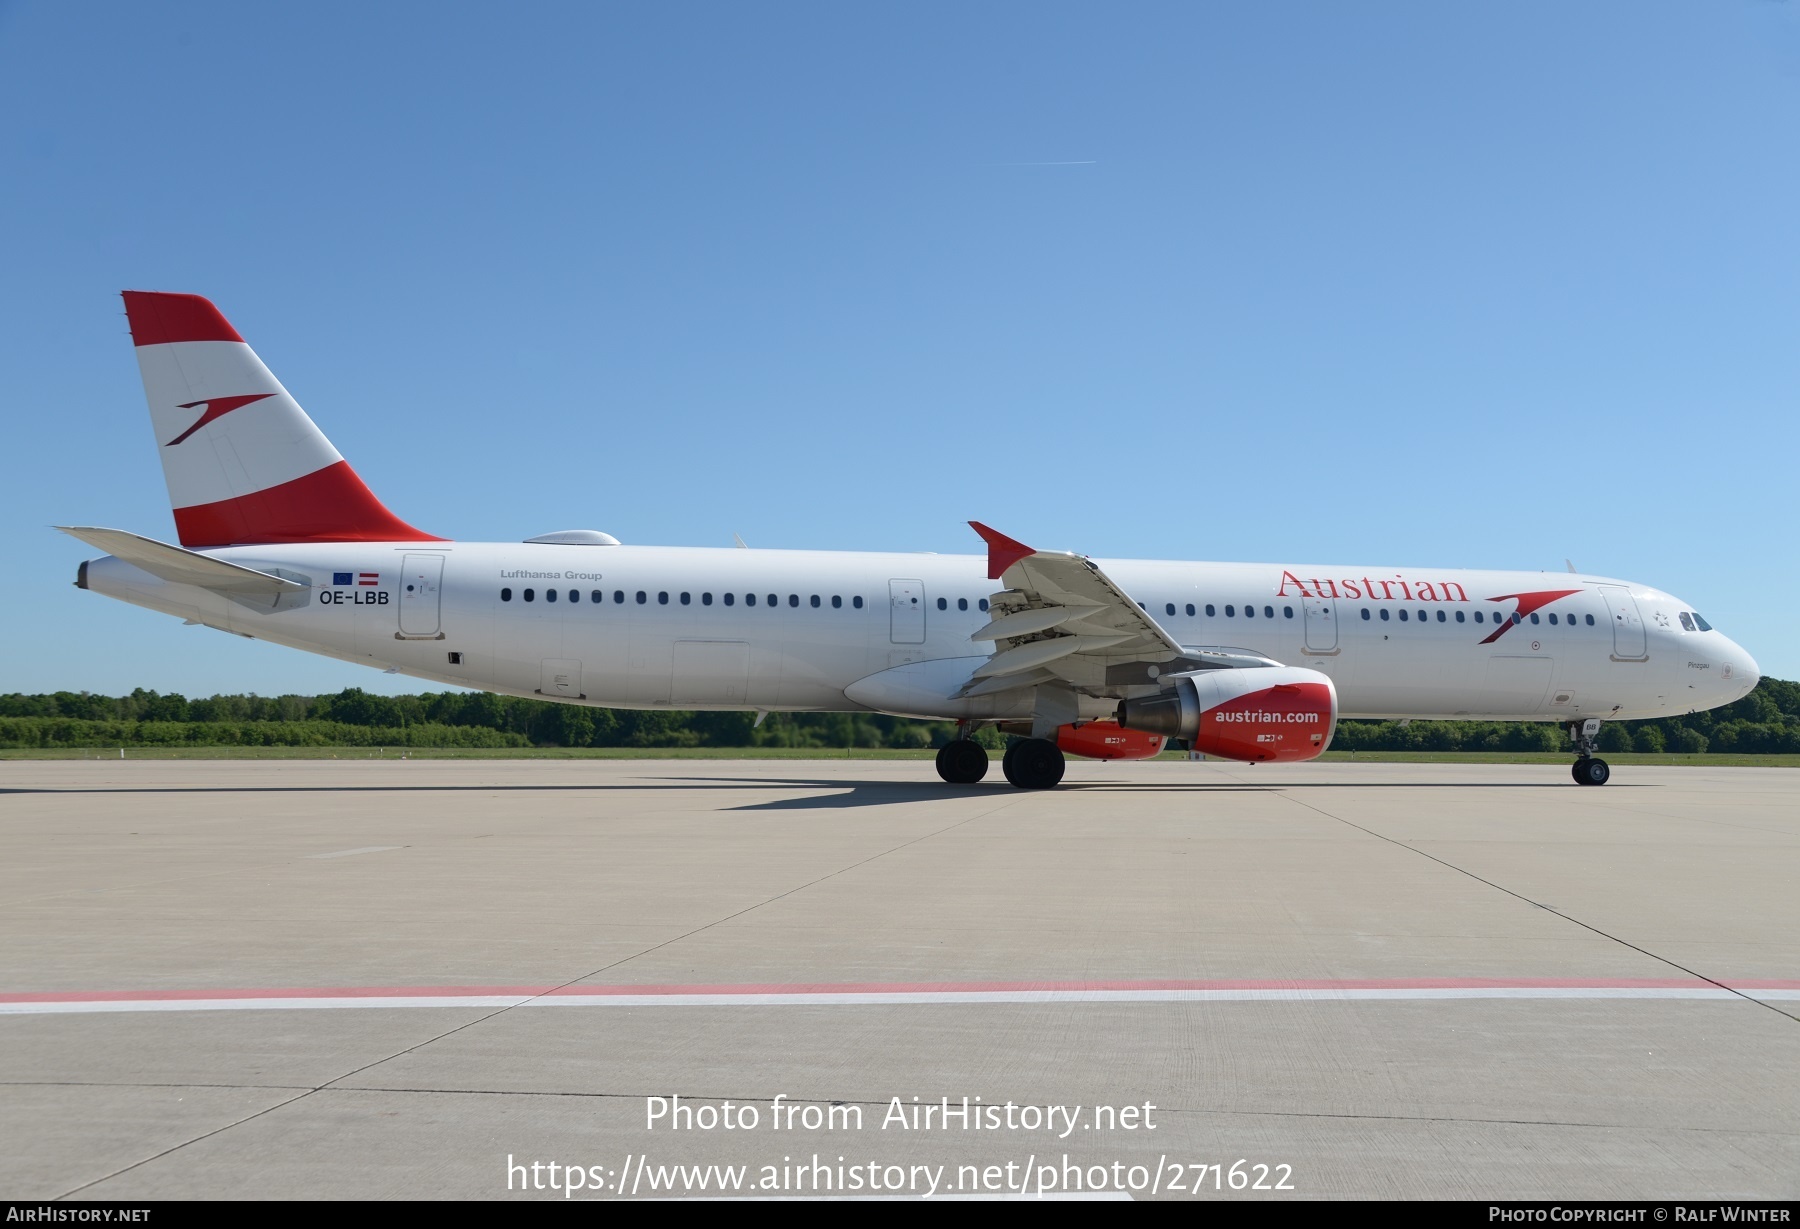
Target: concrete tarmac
(383,979)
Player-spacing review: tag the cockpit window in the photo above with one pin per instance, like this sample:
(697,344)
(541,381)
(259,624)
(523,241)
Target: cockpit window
(1687,621)
(1701,623)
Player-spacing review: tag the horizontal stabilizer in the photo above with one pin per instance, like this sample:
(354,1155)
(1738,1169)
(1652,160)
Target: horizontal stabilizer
(178,565)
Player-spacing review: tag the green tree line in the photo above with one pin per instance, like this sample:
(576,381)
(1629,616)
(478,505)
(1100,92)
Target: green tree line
(1766,721)
(355,718)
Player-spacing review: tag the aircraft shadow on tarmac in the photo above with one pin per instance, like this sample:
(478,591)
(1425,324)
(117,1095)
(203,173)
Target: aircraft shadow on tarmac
(839,794)
(886,793)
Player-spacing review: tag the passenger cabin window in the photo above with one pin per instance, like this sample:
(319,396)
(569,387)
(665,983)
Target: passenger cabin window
(1384,614)
(687,599)
(836,601)
(962,603)
(597,596)
(793,600)
(1287,612)
(1268,612)
(774,599)
(531,595)
(549,595)
(706,599)
(1590,620)
(943,603)
(857,601)
(1442,617)
(1478,617)
(642,597)
(1460,617)
(982,603)
(1403,614)
(1534,618)
(1190,610)
(1365,612)
(1230,612)
(730,598)
(506,596)
(815,601)
(618,597)
(575,595)
(1169,607)
(1209,610)
(662,599)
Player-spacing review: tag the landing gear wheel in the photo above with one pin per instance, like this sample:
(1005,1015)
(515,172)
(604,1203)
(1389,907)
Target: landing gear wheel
(1589,771)
(1035,763)
(962,762)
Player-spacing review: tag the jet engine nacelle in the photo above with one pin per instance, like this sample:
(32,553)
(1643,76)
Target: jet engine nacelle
(1108,740)
(1280,713)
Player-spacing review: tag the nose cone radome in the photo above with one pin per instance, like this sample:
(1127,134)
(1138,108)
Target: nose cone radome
(1744,670)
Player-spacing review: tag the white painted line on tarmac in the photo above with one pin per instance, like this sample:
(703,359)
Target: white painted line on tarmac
(472,998)
(346,853)
(856,999)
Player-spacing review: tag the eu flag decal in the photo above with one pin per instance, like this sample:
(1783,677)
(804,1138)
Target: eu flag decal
(340,578)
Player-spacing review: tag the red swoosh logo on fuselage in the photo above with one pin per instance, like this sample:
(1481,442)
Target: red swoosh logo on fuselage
(1528,602)
(216,408)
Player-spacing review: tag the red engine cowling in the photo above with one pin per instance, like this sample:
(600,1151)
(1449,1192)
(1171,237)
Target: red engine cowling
(1280,713)
(1108,740)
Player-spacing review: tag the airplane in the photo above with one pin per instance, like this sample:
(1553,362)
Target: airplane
(279,540)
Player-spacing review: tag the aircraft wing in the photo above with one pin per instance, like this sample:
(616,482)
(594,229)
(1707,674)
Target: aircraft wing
(178,565)
(1061,619)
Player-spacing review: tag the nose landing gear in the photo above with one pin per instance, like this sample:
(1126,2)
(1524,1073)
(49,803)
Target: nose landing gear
(1588,769)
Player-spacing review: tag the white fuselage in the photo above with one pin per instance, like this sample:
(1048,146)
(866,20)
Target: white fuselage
(698,628)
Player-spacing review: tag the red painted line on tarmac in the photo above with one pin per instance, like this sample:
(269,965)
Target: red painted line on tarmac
(295,992)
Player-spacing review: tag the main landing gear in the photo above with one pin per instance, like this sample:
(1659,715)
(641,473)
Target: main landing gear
(1030,763)
(1033,763)
(962,762)
(1588,769)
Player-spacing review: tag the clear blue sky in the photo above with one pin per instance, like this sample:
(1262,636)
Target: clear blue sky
(1423,284)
